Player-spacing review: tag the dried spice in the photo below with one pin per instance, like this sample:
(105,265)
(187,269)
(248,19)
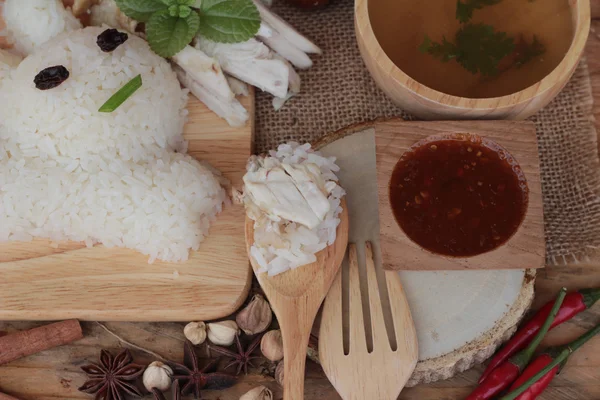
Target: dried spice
(51,77)
(256,316)
(175,392)
(114,378)
(110,39)
(271,345)
(194,378)
(222,333)
(157,376)
(243,358)
(195,332)
(258,393)
(279,373)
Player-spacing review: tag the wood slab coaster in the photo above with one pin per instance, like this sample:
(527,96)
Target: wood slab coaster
(460,316)
(525,249)
(44,282)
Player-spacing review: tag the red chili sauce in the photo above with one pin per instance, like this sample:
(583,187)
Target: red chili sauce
(459,195)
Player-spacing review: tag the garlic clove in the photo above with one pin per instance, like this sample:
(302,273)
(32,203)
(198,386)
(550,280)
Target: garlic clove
(256,317)
(258,393)
(195,332)
(279,373)
(157,375)
(222,333)
(271,345)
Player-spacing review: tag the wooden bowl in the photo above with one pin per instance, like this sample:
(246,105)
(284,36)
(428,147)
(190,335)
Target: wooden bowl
(428,103)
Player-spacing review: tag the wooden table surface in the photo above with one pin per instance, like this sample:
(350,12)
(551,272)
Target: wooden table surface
(55,374)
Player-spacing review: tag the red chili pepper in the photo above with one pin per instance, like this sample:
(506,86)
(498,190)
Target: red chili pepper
(538,375)
(533,368)
(497,381)
(574,303)
(502,377)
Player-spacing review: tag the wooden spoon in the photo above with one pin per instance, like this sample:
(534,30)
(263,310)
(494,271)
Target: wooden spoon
(295,297)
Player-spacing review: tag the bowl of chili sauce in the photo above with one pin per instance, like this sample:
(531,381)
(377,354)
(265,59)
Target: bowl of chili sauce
(458,195)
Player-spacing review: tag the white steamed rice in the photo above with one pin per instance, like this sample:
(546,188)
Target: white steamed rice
(30,23)
(283,245)
(70,172)
(53,123)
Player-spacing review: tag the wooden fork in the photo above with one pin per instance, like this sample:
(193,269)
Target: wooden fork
(357,373)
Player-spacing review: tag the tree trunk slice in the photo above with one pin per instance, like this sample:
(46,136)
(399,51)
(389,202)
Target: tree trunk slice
(461,317)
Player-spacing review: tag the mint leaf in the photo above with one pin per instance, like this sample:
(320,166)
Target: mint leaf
(168,35)
(229,21)
(179,11)
(140,10)
(179,2)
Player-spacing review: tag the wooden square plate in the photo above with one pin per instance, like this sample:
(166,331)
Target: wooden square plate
(525,249)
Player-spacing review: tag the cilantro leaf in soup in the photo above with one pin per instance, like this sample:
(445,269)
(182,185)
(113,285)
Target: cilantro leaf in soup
(229,21)
(464,11)
(526,52)
(168,34)
(140,10)
(481,48)
(477,47)
(444,51)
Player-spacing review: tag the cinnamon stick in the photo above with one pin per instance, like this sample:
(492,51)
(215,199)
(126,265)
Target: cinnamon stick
(25,343)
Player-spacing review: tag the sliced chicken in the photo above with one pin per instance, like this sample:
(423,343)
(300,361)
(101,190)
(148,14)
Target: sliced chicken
(251,62)
(293,85)
(238,87)
(275,193)
(287,50)
(308,180)
(286,30)
(265,30)
(205,70)
(229,109)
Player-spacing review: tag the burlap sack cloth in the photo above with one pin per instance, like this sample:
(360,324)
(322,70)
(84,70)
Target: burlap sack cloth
(338,91)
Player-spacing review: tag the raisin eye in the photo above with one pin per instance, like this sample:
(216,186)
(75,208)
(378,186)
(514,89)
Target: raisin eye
(51,77)
(110,39)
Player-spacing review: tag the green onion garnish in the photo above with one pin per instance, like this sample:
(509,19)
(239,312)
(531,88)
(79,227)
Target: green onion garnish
(123,94)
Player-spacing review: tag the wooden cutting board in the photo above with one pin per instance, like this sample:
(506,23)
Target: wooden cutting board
(40,282)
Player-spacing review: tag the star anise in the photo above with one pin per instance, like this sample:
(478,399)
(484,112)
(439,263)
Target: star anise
(113,378)
(243,358)
(175,392)
(196,378)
